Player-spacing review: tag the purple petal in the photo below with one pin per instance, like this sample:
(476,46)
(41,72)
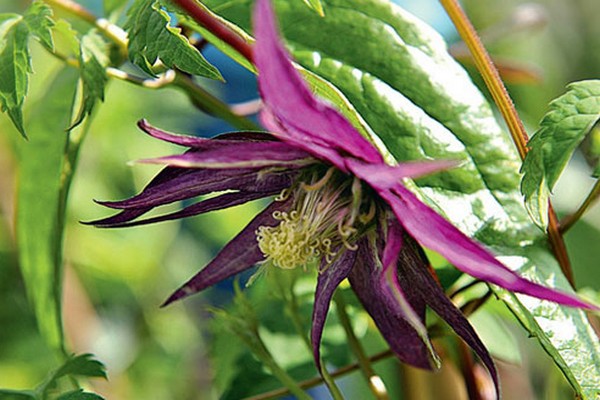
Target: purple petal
(318,149)
(188,183)
(390,281)
(415,266)
(366,280)
(327,282)
(240,155)
(126,217)
(287,96)
(386,176)
(240,254)
(202,143)
(433,231)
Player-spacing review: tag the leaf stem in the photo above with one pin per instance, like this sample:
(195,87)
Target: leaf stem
(374,382)
(494,83)
(591,198)
(206,18)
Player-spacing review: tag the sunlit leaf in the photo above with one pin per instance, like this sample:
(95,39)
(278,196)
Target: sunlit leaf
(422,105)
(40,214)
(569,119)
(152,38)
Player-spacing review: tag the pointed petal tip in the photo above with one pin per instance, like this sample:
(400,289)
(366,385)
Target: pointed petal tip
(173,298)
(143,124)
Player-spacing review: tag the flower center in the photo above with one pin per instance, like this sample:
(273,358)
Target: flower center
(324,219)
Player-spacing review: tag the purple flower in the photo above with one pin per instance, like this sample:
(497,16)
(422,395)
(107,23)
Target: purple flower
(338,206)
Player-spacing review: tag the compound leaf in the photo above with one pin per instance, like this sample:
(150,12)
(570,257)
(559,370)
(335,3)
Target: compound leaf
(570,118)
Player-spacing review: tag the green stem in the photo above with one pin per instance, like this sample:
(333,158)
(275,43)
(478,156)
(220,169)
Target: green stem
(291,304)
(591,198)
(374,382)
(279,372)
(494,83)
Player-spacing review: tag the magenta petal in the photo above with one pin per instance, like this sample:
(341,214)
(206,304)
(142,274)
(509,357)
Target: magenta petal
(287,96)
(366,281)
(386,176)
(240,254)
(302,141)
(327,282)
(414,267)
(433,231)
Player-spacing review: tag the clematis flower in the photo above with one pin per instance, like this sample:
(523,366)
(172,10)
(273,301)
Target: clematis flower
(338,206)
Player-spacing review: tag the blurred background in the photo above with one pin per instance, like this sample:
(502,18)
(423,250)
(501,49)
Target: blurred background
(115,280)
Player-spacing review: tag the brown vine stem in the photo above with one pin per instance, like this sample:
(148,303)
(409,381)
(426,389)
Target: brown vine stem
(570,220)
(494,83)
(207,19)
(273,394)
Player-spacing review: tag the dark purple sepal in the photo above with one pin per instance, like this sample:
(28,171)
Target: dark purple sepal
(126,217)
(200,142)
(366,281)
(414,266)
(240,254)
(327,282)
(188,183)
(239,155)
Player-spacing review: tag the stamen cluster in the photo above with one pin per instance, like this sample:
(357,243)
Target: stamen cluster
(322,221)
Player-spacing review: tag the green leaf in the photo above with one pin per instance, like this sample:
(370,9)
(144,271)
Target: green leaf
(82,365)
(40,214)
(38,19)
(79,395)
(569,119)
(592,150)
(93,61)
(15,59)
(151,38)
(422,104)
